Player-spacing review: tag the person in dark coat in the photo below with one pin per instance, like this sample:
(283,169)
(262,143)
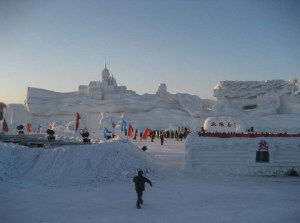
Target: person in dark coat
(139,181)
(162,139)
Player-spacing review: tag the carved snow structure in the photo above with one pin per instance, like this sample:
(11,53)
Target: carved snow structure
(102,102)
(105,89)
(242,156)
(162,89)
(258,97)
(268,106)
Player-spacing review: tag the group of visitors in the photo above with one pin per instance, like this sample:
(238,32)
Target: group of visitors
(179,134)
(247,135)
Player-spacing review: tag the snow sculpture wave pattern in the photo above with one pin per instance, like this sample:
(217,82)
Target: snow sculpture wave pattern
(255,97)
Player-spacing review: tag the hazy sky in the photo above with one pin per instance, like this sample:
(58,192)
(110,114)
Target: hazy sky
(189,45)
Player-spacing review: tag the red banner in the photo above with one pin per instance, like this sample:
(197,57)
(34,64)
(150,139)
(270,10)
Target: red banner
(146,134)
(130,130)
(29,127)
(5,127)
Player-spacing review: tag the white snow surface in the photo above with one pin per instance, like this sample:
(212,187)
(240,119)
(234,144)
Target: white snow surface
(249,89)
(258,98)
(106,162)
(93,183)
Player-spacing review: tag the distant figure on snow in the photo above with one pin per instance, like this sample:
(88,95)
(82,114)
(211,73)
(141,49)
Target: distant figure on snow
(135,134)
(141,136)
(140,187)
(162,139)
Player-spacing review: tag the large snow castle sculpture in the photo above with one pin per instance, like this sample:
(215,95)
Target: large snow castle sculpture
(103,102)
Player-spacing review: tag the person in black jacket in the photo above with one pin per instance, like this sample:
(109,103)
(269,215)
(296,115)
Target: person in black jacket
(140,187)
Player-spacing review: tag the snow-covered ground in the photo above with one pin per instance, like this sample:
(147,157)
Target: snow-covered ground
(93,183)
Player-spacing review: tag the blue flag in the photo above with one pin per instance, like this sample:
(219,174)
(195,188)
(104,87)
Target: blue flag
(124,124)
(39,129)
(106,133)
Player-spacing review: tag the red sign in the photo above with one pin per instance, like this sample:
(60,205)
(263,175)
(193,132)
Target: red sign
(263,145)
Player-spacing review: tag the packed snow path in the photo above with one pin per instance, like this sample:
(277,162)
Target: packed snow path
(175,197)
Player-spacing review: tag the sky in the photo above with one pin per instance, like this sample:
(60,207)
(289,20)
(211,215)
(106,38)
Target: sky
(189,45)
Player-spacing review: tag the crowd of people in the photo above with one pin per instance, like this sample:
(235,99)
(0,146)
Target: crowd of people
(248,134)
(179,134)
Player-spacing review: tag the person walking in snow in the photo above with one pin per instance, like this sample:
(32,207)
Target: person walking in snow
(135,134)
(139,181)
(152,135)
(141,136)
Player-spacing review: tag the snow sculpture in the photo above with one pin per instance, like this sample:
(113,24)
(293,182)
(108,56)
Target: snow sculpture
(224,124)
(143,111)
(102,103)
(107,89)
(254,97)
(238,155)
(162,89)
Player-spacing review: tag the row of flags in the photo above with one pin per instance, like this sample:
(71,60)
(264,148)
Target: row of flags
(29,125)
(6,129)
(127,128)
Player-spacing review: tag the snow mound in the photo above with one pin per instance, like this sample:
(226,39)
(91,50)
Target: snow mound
(115,161)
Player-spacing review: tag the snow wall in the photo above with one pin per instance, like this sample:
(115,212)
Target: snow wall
(238,155)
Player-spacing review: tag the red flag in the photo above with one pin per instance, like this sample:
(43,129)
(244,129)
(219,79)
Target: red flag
(130,130)
(77,120)
(146,134)
(4,127)
(29,127)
